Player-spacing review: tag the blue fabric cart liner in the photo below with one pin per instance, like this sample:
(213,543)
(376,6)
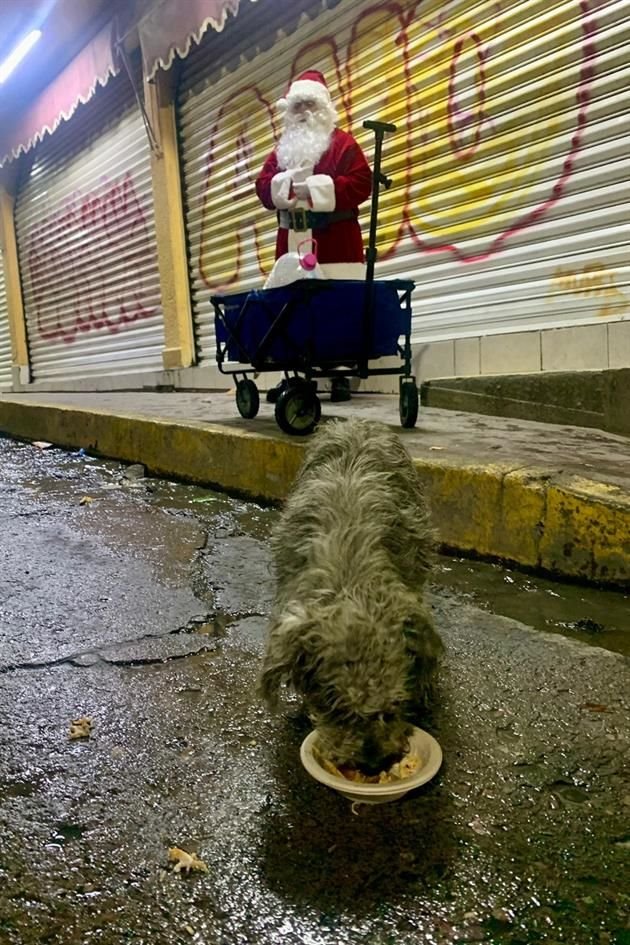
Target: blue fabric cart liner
(316,321)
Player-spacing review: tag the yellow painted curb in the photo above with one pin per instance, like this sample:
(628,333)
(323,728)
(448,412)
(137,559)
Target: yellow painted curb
(587,530)
(534,517)
(486,509)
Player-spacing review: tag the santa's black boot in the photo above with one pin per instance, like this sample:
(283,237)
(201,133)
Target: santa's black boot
(340,390)
(274,392)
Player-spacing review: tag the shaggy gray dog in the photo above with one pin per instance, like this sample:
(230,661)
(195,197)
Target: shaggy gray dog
(349,630)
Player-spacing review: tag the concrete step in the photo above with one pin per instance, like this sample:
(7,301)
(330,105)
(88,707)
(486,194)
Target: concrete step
(583,398)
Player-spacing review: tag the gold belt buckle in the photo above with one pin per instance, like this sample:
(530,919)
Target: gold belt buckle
(299,219)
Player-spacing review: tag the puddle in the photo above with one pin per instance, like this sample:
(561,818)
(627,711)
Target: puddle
(10,789)
(66,832)
(569,792)
(593,616)
(215,509)
(215,627)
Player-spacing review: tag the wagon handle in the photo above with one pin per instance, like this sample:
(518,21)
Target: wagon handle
(380,128)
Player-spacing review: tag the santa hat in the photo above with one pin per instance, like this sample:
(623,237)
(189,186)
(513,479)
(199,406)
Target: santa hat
(308,85)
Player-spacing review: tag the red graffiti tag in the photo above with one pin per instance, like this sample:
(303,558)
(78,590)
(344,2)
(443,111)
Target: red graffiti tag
(460,119)
(469,118)
(83,264)
(234,208)
(531,217)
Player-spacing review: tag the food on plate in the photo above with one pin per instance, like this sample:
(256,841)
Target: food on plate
(399,771)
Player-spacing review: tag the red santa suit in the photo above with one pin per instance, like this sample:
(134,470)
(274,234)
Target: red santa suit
(341,180)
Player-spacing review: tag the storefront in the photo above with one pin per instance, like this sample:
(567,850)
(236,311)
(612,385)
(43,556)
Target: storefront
(510,199)
(509,206)
(86,243)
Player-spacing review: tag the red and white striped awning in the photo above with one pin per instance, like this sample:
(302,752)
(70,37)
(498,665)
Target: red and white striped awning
(170,28)
(167,30)
(93,66)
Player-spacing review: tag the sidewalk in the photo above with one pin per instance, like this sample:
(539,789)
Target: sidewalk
(551,497)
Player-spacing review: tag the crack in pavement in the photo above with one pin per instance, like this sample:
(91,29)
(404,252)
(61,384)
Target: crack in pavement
(90,657)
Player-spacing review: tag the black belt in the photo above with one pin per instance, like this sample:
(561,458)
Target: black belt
(302,219)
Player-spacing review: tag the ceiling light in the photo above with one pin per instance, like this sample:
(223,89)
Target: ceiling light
(17,54)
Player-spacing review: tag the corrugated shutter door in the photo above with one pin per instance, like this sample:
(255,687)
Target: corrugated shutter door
(5,340)
(86,242)
(511,181)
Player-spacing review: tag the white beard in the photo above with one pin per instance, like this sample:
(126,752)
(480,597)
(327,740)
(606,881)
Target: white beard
(302,143)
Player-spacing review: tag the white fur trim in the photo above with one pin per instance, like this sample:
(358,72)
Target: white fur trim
(308,88)
(280,190)
(322,190)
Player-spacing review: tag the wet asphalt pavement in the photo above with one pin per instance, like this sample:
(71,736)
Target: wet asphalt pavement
(144,609)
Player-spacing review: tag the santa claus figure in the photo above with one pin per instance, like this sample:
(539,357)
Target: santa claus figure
(318,168)
(315,179)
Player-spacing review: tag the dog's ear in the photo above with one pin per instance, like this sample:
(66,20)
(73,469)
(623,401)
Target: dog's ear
(285,656)
(425,647)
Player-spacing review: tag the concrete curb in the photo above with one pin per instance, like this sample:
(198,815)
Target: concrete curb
(535,517)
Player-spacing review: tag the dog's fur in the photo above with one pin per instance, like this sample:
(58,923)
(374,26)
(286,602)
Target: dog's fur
(349,630)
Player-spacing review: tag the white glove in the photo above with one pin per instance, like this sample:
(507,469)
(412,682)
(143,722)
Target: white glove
(280,189)
(301,190)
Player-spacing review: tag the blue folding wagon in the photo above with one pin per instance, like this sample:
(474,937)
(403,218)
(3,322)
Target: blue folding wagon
(316,328)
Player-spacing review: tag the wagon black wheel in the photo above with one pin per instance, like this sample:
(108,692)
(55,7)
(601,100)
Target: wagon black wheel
(408,403)
(298,410)
(247,399)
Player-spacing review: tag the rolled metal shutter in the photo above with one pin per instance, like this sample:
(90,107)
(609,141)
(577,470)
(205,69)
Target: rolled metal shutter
(5,338)
(86,244)
(511,182)
(225,130)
